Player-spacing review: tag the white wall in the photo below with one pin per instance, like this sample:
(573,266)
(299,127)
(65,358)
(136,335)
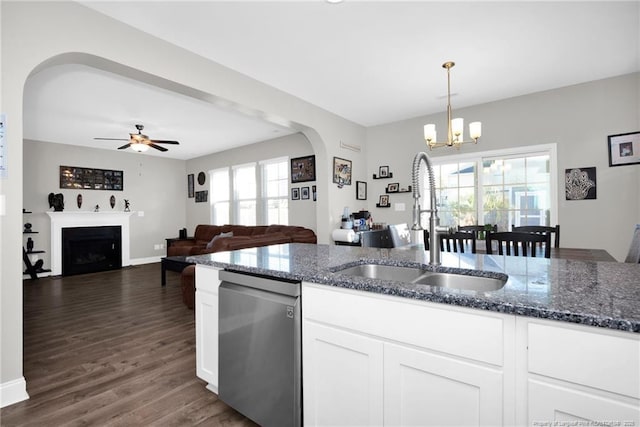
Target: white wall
(578,118)
(301,212)
(40,34)
(153,185)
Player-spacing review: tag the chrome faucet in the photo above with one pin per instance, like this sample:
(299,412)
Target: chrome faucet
(434,221)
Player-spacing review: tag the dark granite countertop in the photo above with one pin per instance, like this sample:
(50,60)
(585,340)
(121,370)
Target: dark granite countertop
(602,294)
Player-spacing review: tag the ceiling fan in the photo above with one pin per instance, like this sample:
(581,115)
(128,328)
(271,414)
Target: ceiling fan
(141,142)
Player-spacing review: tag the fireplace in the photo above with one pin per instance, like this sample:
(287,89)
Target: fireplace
(64,220)
(91,249)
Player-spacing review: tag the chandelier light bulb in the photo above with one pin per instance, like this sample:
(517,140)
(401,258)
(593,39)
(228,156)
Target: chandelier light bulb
(139,147)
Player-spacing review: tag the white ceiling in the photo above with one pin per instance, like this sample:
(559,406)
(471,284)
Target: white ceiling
(371,62)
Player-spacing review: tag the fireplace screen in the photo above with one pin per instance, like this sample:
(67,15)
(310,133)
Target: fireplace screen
(91,249)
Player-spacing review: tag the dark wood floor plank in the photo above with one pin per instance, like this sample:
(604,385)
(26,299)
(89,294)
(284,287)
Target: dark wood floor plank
(112,348)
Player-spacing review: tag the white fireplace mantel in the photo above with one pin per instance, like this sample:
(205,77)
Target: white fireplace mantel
(60,220)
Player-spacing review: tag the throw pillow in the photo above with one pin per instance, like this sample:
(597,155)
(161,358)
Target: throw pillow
(218,236)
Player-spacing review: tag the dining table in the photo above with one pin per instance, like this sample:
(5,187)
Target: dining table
(579,254)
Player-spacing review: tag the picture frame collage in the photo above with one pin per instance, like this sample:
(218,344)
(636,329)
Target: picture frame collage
(303,169)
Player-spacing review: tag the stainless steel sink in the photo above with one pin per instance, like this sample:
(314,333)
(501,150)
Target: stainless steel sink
(419,276)
(460,281)
(384,272)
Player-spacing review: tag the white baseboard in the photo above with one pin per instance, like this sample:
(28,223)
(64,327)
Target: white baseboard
(13,392)
(149,260)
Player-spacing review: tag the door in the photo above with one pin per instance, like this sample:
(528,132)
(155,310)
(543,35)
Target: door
(426,389)
(342,377)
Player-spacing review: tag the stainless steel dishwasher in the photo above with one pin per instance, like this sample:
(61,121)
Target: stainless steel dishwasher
(260,348)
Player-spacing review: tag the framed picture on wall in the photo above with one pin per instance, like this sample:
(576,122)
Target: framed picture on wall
(190,192)
(295,193)
(341,171)
(624,149)
(361,190)
(303,169)
(304,193)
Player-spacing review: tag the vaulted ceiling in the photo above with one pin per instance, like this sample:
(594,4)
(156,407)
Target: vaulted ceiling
(371,62)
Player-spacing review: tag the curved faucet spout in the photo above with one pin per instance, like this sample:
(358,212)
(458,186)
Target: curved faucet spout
(434,221)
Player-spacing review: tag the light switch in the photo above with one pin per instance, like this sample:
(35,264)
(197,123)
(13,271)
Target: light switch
(399,206)
(140,213)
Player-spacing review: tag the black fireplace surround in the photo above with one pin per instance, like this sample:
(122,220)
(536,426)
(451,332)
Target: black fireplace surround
(91,249)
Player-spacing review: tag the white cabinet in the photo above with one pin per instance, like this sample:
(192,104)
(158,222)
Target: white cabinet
(207,283)
(426,389)
(370,359)
(342,377)
(581,374)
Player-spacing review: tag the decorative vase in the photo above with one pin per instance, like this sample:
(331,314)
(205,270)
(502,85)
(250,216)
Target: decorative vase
(79,200)
(112,201)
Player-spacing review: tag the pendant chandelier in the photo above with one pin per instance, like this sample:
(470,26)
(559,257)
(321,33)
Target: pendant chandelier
(455,127)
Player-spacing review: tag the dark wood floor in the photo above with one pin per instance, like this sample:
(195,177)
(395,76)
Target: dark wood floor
(112,348)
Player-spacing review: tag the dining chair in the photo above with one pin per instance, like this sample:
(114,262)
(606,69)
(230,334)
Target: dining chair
(400,235)
(540,229)
(477,229)
(516,242)
(456,242)
(634,250)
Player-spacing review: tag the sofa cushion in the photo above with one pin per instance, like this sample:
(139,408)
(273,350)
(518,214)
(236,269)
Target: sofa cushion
(218,236)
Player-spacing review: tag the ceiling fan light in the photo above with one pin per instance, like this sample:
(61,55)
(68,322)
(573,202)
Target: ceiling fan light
(139,147)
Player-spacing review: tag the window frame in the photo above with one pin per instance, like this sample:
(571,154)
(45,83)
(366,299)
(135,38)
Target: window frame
(478,157)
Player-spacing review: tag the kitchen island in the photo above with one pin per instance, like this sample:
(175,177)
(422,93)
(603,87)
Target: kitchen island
(558,342)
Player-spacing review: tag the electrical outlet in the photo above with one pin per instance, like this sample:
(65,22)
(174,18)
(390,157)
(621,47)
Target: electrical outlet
(156,247)
(140,213)
(161,245)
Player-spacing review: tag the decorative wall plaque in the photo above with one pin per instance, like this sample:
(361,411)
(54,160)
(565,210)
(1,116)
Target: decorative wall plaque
(77,178)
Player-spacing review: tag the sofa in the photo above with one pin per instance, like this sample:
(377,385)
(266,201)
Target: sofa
(217,238)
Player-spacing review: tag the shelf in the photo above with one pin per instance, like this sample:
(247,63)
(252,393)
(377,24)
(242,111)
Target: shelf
(30,232)
(380,206)
(41,270)
(396,192)
(36,252)
(383,177)
(26,212)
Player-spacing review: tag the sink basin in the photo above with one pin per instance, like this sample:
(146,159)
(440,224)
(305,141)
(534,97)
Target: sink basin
(384,272)
(460,281)
(419,276)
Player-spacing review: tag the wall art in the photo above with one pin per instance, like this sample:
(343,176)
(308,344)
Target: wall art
(190,191)
(580,183)
(74,177)
(341,171)
(295,193)
(304,193)
(201,196)
(303,169)
(361,190)
(624,149)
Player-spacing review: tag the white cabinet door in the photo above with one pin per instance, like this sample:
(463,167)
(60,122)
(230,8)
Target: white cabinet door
(550,404)
(207,284)
(427,389)
(342,377)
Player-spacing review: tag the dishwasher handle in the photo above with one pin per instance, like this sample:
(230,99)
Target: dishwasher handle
(271,284)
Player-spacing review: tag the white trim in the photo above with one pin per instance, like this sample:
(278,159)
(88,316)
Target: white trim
(148,260)
(275,160)
(60,220)
(13,392)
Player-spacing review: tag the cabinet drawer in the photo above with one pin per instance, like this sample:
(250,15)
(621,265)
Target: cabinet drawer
(599,359)
(207,279)
(437,327)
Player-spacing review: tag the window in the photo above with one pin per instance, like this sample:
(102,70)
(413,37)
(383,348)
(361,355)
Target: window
(275,191)
(219,190)
(235,197)
(505,187)
(244,194)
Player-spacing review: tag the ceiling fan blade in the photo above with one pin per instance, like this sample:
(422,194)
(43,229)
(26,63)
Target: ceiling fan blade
(157,147)
(160,141)
(112,139)
(124,146)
